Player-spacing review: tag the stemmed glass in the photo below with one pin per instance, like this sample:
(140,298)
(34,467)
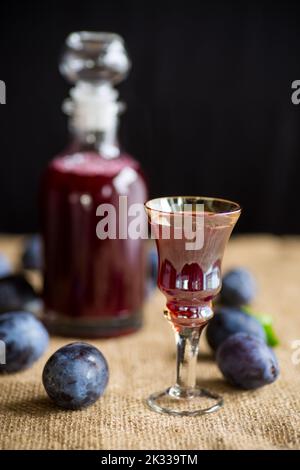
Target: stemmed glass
(191,234)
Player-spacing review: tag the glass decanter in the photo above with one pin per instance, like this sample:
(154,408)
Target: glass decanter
(92,287)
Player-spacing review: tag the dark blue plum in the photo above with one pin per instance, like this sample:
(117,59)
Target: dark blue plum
(25,339)
(17,294)
(152,270)
(227,321)
(76,375)
(5,266)
(238,288)
(247,362)
(32,256)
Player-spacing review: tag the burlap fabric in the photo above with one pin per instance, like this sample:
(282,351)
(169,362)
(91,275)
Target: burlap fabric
(268,418)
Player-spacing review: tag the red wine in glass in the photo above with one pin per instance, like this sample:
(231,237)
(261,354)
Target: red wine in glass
(190,279)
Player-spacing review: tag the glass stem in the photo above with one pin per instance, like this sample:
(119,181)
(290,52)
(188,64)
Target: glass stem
(187,341)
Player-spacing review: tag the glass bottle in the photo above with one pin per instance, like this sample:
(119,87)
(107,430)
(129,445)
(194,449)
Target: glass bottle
(92,287)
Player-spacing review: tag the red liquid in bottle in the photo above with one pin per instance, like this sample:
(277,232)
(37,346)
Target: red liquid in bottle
(92,287)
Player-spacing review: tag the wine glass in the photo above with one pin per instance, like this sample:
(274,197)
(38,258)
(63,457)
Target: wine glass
(191,234)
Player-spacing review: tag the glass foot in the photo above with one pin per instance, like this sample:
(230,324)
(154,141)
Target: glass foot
(196,403)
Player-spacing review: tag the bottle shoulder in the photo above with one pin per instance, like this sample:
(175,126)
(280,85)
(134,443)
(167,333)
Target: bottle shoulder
(91,164)
(89,171)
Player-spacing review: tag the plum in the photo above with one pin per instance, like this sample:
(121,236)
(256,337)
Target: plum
(25,340)
(247,362)
(238,288)
(152,270)
(32,257)
(5,266)
(17,294)
(227,321)
(76,375)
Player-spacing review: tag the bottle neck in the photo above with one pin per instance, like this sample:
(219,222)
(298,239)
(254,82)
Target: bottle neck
(104,142)
(93,111)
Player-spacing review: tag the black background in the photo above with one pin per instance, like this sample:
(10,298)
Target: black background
(209,100)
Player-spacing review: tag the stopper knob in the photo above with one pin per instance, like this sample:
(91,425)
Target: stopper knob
(94,57)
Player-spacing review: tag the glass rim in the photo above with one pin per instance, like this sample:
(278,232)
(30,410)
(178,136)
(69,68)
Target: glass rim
(236,208)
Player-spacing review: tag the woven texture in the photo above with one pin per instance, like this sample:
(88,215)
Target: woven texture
(268,418)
